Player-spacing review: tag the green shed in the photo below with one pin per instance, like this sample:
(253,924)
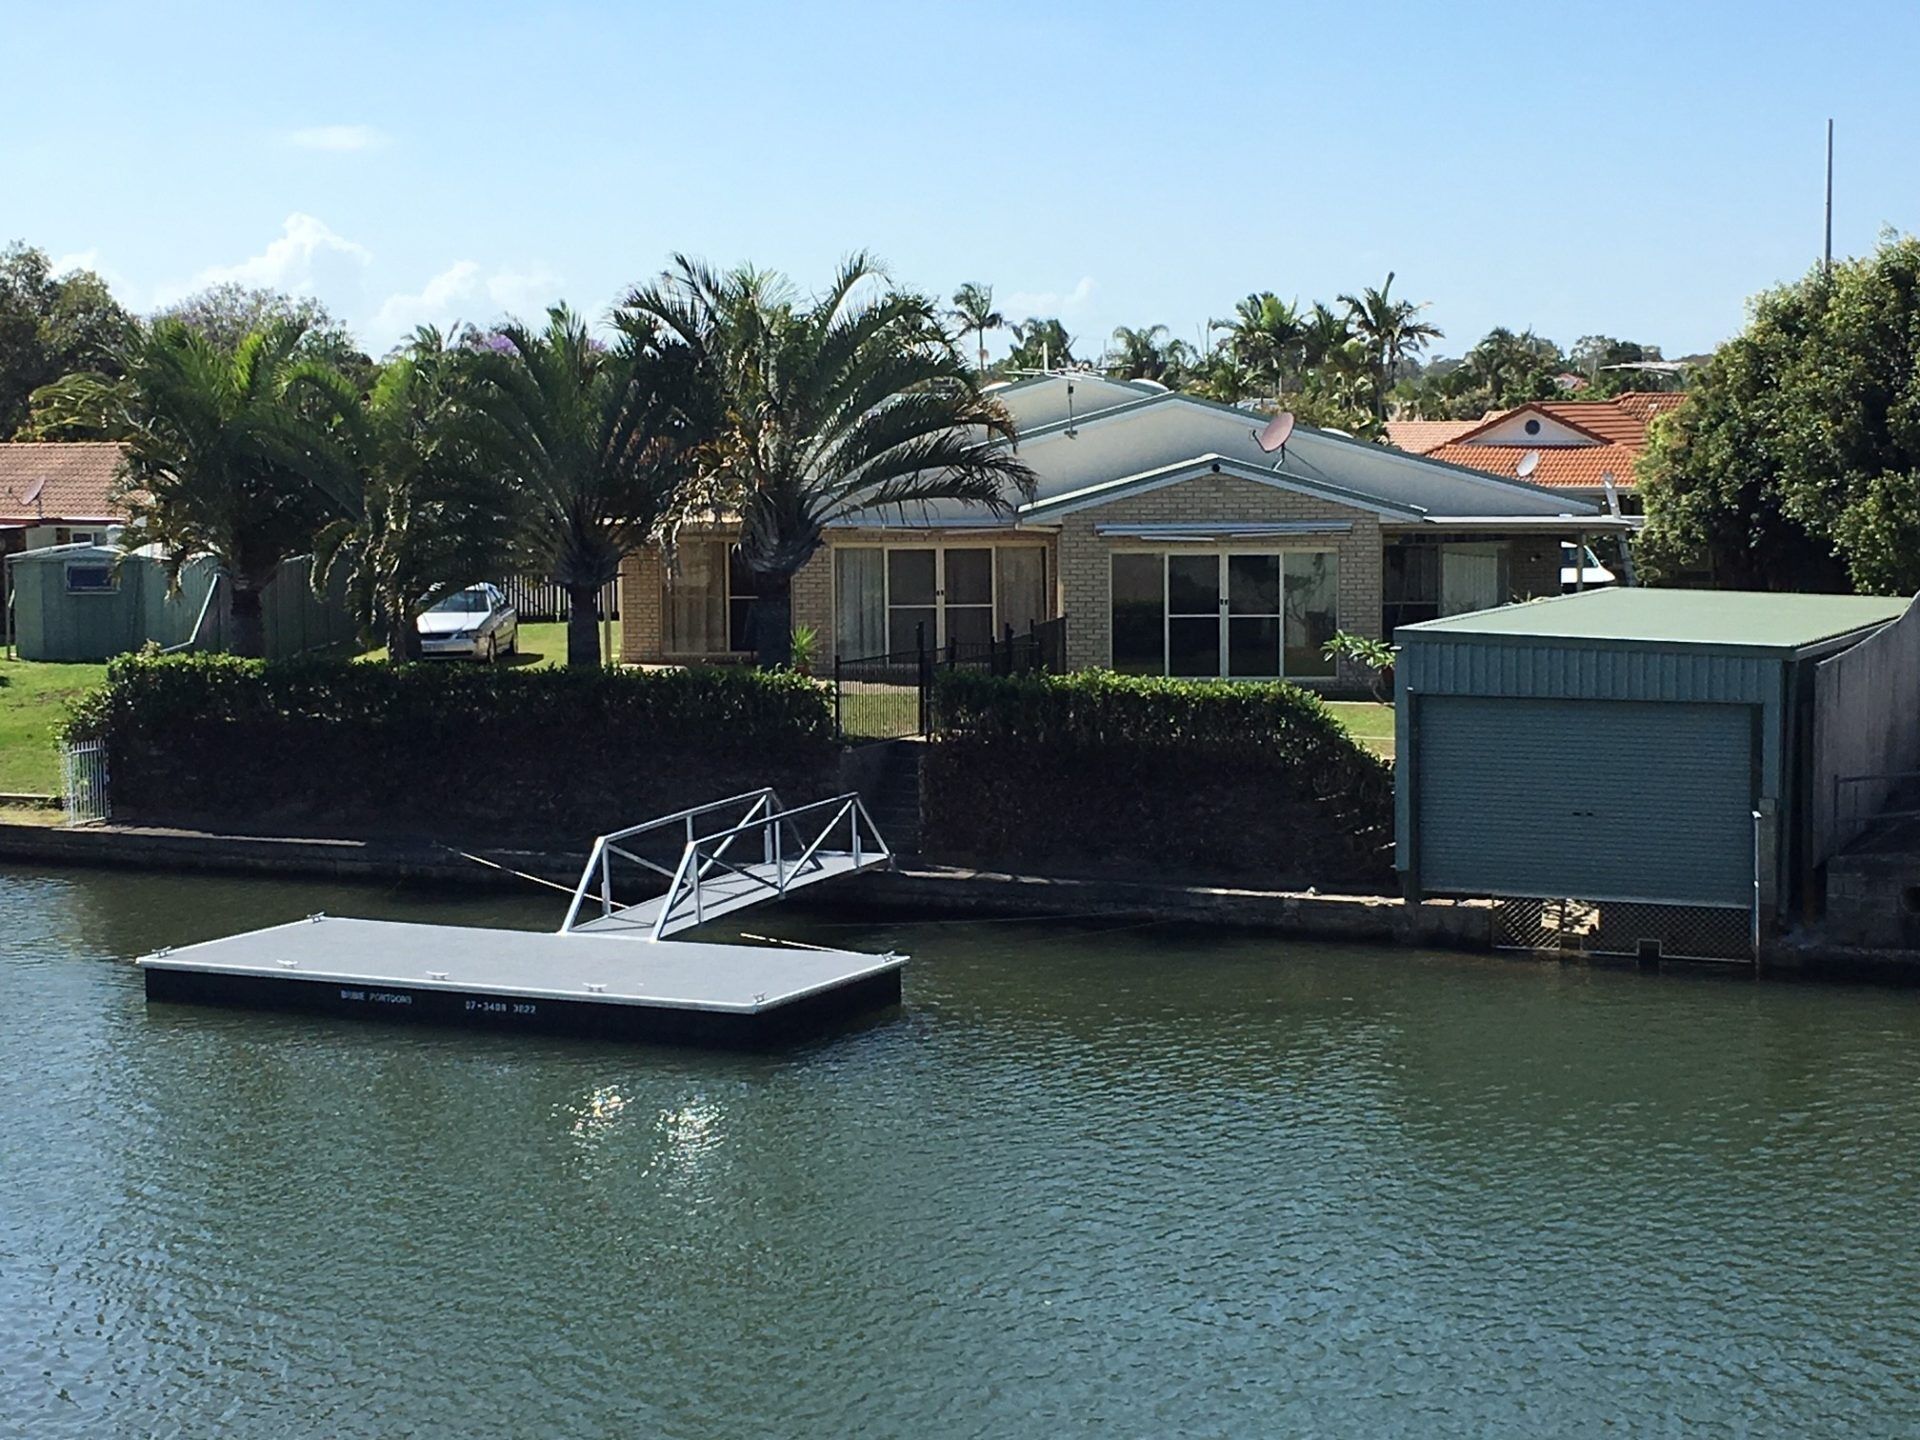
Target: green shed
(1624,747)
(92,602)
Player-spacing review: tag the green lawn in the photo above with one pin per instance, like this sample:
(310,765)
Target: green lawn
(539,645)
(33,702)
(1367,722)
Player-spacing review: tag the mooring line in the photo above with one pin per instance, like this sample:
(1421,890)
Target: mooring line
(508,869)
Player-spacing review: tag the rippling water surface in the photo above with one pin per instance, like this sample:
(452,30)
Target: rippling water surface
(1094,1181)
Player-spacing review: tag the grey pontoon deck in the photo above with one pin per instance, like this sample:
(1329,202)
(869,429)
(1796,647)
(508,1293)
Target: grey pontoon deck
(524,980)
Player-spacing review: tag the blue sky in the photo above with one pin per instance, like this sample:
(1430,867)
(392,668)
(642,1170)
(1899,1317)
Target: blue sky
(1637,170)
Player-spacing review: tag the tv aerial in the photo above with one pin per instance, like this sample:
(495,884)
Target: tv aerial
(1529,463)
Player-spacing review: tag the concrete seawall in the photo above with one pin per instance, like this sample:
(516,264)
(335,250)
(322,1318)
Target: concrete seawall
(916,891)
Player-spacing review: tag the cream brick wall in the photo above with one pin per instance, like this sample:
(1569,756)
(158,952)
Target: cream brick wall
(1533,566)
(1086,568)
(642,621)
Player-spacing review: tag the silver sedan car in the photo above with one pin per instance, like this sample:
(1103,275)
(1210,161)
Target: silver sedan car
(471,624)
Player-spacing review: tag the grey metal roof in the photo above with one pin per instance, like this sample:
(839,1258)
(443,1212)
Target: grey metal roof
(1721,619)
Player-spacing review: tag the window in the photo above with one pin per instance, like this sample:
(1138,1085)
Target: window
(696,599)
(1139,620)
(1240,614)
(892,599)
(85,578)
(1426,581)
(742,586)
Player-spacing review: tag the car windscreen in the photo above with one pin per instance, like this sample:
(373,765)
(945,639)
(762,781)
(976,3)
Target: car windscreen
(466,602)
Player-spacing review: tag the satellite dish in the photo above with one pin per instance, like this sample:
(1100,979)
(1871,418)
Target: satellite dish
(1279,430)
(33,491)
(1529,463)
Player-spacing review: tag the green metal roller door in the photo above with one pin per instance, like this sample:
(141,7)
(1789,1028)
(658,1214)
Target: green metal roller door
(1588,799)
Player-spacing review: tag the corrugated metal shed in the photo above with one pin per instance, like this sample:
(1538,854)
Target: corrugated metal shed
(92,602)
(1555,769)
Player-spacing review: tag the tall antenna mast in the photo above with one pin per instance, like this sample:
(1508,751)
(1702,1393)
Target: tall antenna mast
(1827,261)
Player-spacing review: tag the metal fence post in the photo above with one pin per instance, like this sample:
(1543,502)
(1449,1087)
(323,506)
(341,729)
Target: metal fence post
(923,671)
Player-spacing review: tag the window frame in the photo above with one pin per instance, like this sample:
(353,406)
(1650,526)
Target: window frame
(940,549)
(1223,555)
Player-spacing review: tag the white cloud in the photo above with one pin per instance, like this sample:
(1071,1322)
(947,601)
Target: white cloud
(340,139)
(465,291)
(1026,304)
(307,258)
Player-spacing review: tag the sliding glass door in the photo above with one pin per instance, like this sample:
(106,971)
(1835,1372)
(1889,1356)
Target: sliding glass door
(888,599)
(1239,614)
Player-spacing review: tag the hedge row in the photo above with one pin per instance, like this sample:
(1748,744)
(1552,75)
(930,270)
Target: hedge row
(1175,778)
(440,750)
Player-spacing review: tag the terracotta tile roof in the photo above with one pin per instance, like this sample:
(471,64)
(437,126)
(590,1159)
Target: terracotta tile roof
(1417,437)
(1619,423)
(78,476)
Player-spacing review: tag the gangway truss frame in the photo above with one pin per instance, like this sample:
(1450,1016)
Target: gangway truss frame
(707,883)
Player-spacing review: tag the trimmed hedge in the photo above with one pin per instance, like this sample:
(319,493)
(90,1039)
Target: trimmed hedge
(1195,779)
(448,749)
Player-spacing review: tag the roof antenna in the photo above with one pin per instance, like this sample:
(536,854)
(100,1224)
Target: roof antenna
(1070,431)
(1529,463)
(1278,431)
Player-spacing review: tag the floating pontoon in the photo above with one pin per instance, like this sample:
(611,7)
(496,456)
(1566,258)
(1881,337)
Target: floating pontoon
(611,973)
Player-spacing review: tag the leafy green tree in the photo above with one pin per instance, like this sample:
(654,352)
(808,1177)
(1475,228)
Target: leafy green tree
(1325,335)
(1510,368)
(602,441)
(1795,462)
(1150,353)
(50,325)
(973,309)
(1389,330)
(434,509)
(1594,355)
(226,314)
(1040,345)
(836,406)
(230,455)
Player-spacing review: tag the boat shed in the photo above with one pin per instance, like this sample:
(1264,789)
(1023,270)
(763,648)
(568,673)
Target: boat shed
(1644,748)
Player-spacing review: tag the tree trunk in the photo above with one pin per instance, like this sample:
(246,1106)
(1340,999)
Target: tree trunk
(403,636)
(771,621)
(249,629)
(583,626)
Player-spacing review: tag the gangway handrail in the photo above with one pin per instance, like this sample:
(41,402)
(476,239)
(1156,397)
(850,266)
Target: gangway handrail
(702,853)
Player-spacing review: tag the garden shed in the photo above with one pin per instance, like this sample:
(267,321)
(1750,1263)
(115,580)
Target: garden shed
(1644,752)
(92,602)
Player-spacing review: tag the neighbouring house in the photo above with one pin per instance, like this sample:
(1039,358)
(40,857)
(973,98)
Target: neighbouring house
(1162,532)
(1583,445)
(57,492)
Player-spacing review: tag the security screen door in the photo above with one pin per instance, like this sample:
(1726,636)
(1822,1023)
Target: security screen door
(947,589)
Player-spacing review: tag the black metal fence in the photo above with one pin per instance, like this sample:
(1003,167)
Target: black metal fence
(541,601)
(886,697)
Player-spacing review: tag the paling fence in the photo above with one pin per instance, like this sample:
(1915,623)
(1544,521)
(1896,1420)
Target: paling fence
(888,697)
(543,602)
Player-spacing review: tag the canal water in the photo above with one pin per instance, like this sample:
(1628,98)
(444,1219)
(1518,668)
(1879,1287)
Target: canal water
(1094,1181)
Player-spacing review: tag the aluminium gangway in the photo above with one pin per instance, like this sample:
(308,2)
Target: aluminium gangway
(780,849)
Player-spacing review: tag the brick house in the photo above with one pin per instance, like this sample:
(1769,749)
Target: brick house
(1169,539)
(1581,447)
(58,492)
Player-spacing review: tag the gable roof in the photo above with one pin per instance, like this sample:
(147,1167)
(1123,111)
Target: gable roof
(1618,428)
(75,478)
(1104,491)
(1417,437)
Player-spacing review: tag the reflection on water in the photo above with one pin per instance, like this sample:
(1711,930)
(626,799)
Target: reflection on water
(1093,1181)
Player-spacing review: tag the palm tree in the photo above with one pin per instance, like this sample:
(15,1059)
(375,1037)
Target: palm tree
(601,441)
(1324,335)
(1390,330)
(836,406)
(973,308)
(1265,336)
(435,510)
(1148,354)
(1040,344)
(227,458)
